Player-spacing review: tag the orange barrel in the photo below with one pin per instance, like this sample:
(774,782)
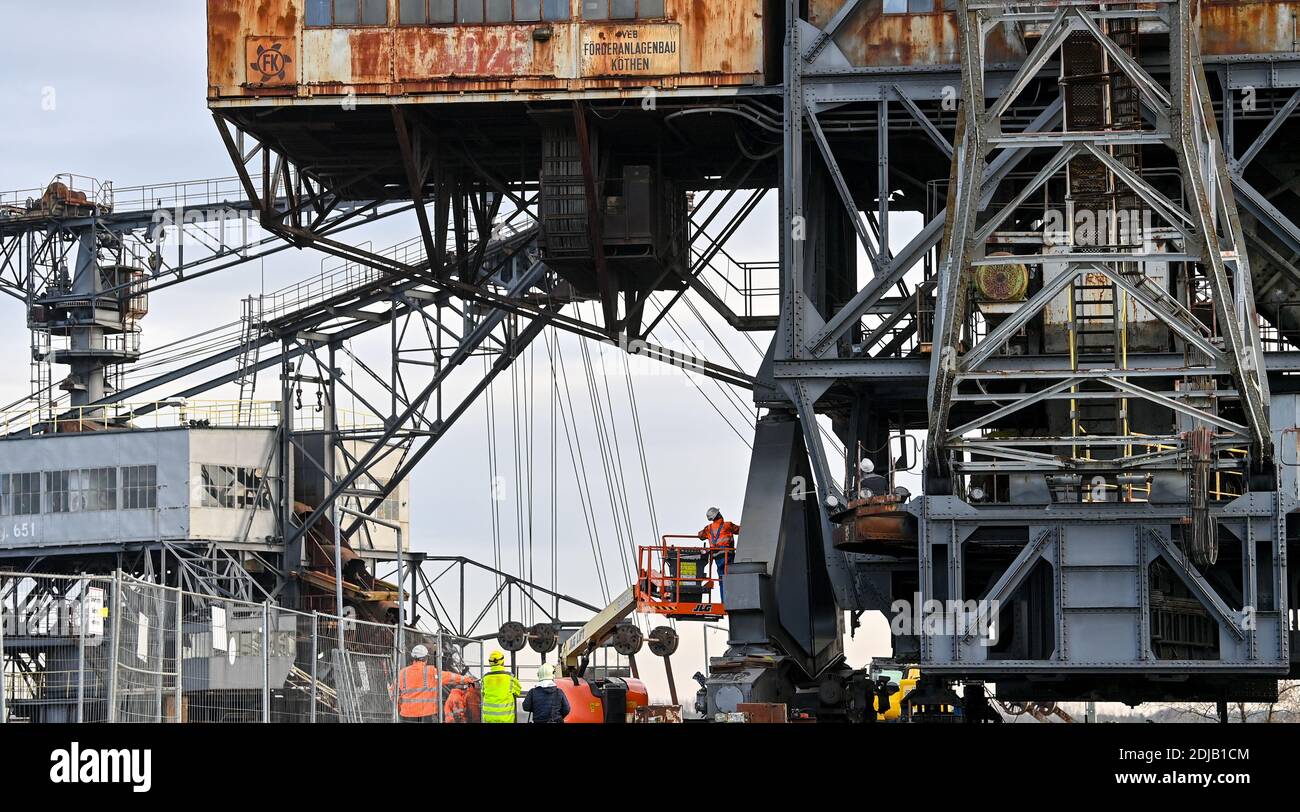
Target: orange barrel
(600,701)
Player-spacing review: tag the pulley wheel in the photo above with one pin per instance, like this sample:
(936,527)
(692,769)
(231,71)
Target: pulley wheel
(627,639)
(543,638)
(512,636)
(664,641)
(1015,708)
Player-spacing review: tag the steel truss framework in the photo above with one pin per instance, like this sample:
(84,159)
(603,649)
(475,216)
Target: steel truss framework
(1210,234)
(847,357)
(482,300)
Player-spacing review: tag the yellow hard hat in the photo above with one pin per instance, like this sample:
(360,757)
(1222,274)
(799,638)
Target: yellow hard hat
(496,658)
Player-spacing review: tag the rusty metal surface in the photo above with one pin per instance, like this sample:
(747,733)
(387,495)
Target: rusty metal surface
(871,38)
(1230,28)
(703,43)
(875,39)
(879,525)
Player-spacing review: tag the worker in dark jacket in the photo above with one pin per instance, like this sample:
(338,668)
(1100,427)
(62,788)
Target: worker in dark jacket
(545,701)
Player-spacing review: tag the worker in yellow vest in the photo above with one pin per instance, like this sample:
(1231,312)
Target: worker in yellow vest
(500,690)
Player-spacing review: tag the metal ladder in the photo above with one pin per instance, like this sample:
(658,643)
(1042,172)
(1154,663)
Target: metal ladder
(249,356)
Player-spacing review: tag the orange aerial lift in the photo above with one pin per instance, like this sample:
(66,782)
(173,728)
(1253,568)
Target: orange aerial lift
(675,581)
(672,581)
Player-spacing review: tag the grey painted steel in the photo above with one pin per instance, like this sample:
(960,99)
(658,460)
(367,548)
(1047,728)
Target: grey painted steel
(115,604)
(178,696)
(266,660)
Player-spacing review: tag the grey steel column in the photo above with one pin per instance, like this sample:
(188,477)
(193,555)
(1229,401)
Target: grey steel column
(401,610)
(397,680)
(315,631)
(882,175)
(332,467)
(266,661)
(180,653)
(115,610)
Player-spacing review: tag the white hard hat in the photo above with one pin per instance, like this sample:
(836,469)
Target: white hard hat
(867,466)
(419,652)
(546,671)
(713,513)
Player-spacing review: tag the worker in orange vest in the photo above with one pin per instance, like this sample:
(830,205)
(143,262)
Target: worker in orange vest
(721,536)
(417,687)
(456,710)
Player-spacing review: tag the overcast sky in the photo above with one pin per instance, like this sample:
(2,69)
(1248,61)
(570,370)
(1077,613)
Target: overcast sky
(127,82)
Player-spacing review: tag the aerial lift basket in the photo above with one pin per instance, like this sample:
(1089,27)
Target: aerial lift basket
(678,581)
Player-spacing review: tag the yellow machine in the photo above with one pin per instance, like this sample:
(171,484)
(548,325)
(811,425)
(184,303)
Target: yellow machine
(903,681)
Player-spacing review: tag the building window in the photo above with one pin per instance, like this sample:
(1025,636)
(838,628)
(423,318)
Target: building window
(623,9)
(473,12)
(913,6)
(227,486)
(93,489)
(140,487)
(391,508)
(347,12)
(56,491)
(20,494)
(80,490)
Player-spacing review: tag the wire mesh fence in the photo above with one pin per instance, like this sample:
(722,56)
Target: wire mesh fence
(119,649)
(57,650)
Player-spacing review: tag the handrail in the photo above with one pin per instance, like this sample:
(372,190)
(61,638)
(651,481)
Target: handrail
(177,414)
(657,583)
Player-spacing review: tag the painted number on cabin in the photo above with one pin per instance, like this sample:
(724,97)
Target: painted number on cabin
(641,50)
(18,531)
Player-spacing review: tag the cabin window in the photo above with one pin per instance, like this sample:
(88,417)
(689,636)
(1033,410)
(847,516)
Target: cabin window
(528,11)
(474,12)
(20,494)
(139,487)
(226,486)
(81,490)
(622,9)
(347,12)
(469,11)
(917,6)
(56,491)
(96,489)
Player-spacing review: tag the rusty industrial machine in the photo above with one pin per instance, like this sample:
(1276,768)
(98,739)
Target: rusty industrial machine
(1063,411)
(1105,408)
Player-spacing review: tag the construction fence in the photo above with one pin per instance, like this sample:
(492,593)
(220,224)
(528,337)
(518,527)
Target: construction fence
(118,649)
